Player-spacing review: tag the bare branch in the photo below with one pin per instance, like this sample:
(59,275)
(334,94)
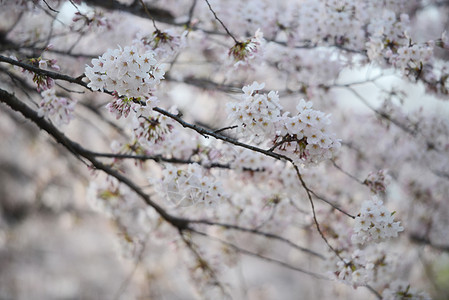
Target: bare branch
(257,232)
(222,24)
(272,260)
(77,150)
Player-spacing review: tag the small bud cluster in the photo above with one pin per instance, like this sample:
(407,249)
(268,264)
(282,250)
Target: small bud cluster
(59,107)
(43,82)
(126,72)
(304,137)
(90,19)
(399,290)
(378,181)
(244,53)
(150,127)
(165,43)
(191,186)
(46,63)
(375,223)
(122,107)
(443,42)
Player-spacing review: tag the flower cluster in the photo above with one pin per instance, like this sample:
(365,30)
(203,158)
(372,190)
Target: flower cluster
(378,181)
(126,72)
(386,34)
(411,58)
(342,23)
(59,107)
(244,53)
(191,186)
(376,266)
(389,40)
(43,82)
(305,137)
(375,223)
(247,159)
(122,107)
(257,113)
(355,271)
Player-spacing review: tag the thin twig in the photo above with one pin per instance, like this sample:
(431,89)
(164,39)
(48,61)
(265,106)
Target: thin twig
(127,280)
(331,204)
(309,196)
(222,24)
(347,173)
(149,15)
(203,131)
(225,128)
(49,7)
(77,150)
(191,10)
(250,253)
(373,291)
(258,232)
(203,264)
(80,152)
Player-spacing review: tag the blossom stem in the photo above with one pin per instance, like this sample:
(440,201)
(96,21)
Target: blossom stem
(222,24)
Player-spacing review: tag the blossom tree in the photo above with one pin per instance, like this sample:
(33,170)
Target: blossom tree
(224,136)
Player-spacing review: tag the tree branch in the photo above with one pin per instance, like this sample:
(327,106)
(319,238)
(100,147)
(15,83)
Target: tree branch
(181,224)
(79,151)
(250,253)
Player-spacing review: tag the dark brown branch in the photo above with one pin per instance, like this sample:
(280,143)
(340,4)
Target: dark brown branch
(225,128)
(158,14)
(79,151)
(160,158)
(43,72)
(206,132)
(203,131)
(50,8)
(181,223)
